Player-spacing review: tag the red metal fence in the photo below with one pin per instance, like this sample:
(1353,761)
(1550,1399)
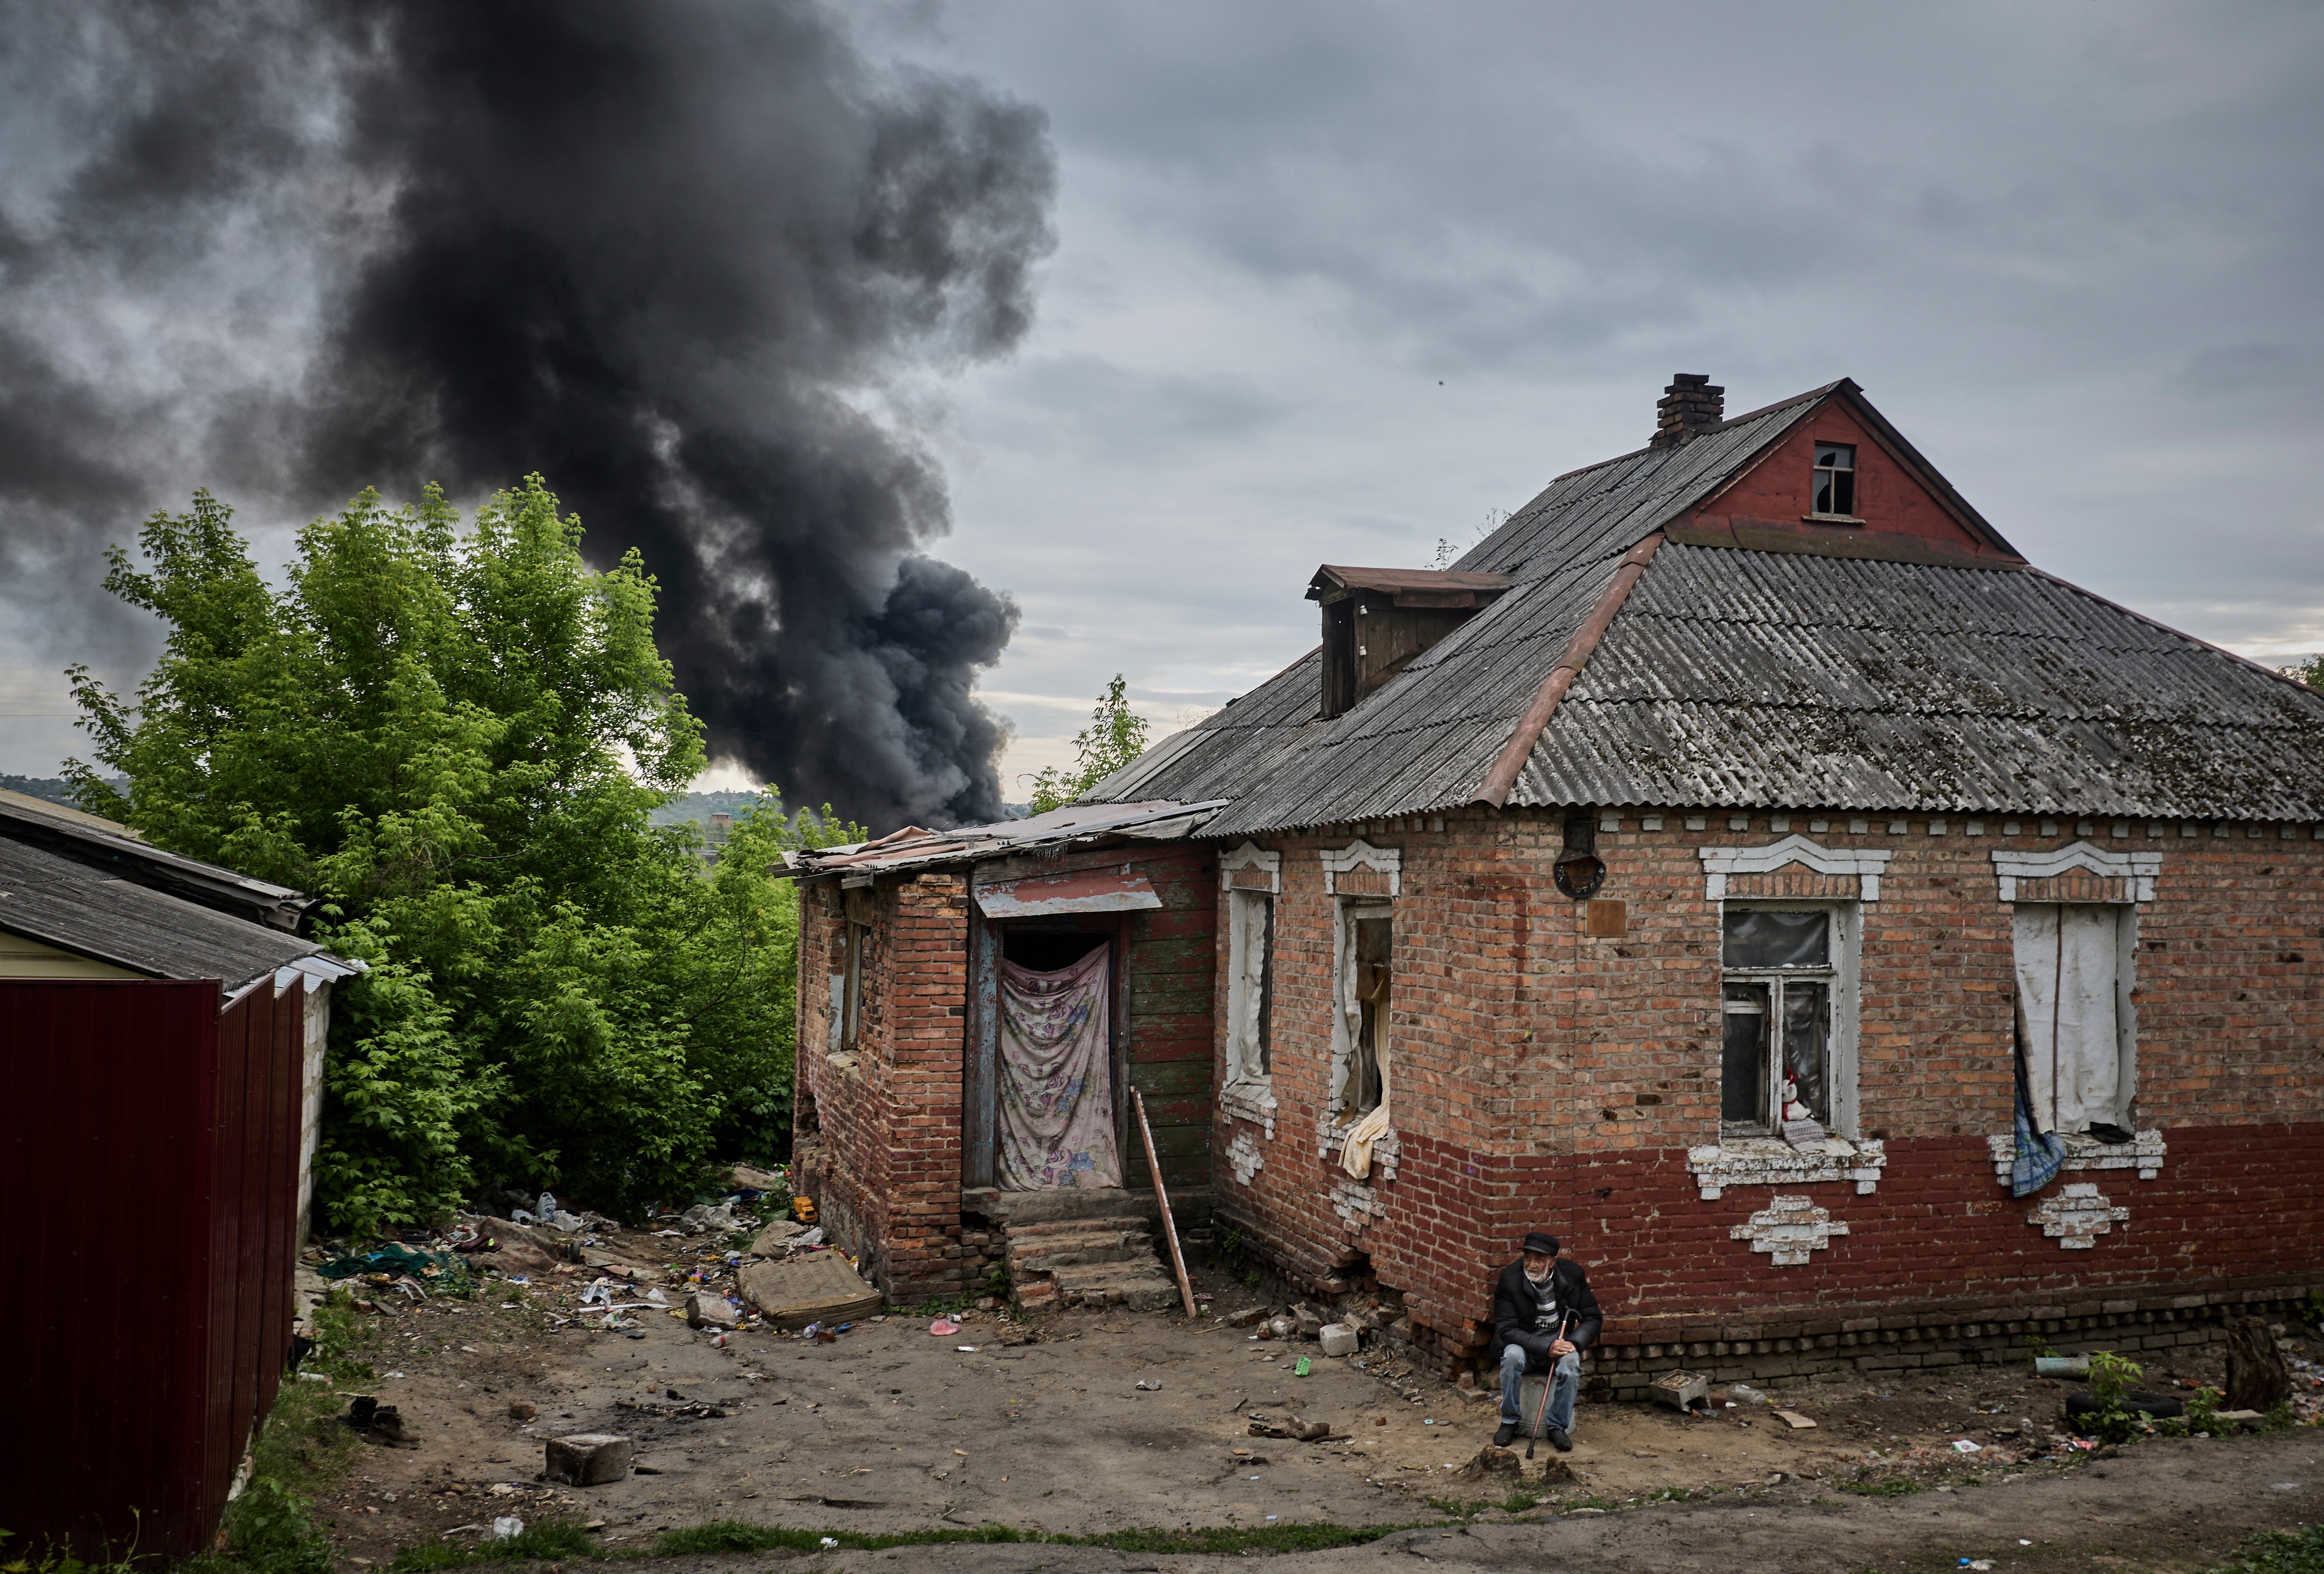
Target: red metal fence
(149,1154)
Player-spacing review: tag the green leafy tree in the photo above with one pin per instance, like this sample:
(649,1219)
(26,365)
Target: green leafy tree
(1114,736)
(454,738)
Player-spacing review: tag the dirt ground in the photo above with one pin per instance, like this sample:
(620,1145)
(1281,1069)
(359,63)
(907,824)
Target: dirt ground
(891,1428)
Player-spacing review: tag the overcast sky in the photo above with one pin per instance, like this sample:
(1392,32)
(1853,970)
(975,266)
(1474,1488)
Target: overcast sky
(1333,280)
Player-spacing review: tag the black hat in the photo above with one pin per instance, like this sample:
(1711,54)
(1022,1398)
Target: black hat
(1541,1241)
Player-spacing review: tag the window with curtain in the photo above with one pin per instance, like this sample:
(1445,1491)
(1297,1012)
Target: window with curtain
(2075,1029)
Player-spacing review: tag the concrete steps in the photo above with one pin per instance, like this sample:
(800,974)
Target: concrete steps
(1091,1260)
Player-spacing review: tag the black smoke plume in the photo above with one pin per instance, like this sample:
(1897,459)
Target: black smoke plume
(674,257)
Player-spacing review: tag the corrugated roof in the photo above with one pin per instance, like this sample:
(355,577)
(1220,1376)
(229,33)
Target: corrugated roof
(92,913)
(1782,679)
(911,848)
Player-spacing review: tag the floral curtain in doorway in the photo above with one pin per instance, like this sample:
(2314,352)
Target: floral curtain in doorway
(1057,1087)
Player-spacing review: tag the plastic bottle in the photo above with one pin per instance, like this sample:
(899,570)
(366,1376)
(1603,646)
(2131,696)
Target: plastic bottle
(1746,1393)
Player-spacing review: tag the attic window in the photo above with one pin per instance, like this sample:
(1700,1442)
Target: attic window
(1376,620)
(1835,481)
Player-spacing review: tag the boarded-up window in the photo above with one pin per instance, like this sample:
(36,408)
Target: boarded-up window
(2074,1019)
(1250,984)
(851,982)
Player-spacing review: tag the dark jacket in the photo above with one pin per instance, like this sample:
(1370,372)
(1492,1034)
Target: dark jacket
(1515,1307)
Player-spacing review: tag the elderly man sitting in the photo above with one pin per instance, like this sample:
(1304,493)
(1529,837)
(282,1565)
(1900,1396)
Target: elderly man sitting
(1543,1318)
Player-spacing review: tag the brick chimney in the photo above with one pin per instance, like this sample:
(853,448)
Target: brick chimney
(1689,405)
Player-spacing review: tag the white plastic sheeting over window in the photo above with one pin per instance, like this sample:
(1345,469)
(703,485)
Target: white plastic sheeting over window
(2073,989)
(1250,942)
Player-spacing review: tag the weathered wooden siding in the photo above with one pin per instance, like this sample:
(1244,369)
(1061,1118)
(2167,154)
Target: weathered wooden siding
(1169,963)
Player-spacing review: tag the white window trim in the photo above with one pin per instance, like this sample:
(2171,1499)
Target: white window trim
(1250,856)
(1772,1162)
(1362,853)
(2144,1152)
(1847,933)
(2141,869)
(1719,863)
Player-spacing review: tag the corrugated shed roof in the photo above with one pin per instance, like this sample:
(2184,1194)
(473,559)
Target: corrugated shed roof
(912,848)
(1782,679)
(89,839)
(90,911)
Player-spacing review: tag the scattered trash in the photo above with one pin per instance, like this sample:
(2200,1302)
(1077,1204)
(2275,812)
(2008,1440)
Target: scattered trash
(504,1528)
(2061,1365)
(827,1540)
(965,1349)
(1794,1419)
(1303,1368)
(1749,1394)
(1151,1385)
(702,1217)
(1963,1445)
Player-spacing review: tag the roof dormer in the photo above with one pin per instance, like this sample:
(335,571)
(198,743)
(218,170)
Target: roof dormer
(1376,620)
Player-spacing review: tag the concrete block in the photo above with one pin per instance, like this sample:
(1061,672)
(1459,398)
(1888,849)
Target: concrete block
(1338,1338)
(588,1458)
(707,1308)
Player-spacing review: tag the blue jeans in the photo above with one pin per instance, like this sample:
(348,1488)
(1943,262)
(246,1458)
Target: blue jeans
(1562,1388)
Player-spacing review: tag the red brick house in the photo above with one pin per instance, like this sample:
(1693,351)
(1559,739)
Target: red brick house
(1717,865)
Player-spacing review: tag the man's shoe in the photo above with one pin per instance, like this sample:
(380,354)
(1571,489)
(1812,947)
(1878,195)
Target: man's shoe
(1560,1442)
(1501,1438)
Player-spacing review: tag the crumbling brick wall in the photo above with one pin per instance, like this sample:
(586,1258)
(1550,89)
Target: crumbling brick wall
(880,1136)
(880,1127)
(1542,1077)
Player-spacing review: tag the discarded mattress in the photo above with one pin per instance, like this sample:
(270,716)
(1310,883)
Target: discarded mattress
(818,1289)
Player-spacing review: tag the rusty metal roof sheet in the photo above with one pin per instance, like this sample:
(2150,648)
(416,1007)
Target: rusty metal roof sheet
(1088,891)
(1737,678)
(911,848)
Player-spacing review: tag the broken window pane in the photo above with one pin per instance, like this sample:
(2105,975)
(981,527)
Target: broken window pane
(1807,1051)
(1371,960)
(1743,1054)
(1760,936)
(1835,478)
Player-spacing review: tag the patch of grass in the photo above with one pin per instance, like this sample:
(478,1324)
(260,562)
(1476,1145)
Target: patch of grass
(1519,1500)
(562,1541)
(2300,1551)
(549,1540)
(268,1529)
(51,1559)
(1893,1487)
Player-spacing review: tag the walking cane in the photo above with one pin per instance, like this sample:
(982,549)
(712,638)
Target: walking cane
(1548,1382)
